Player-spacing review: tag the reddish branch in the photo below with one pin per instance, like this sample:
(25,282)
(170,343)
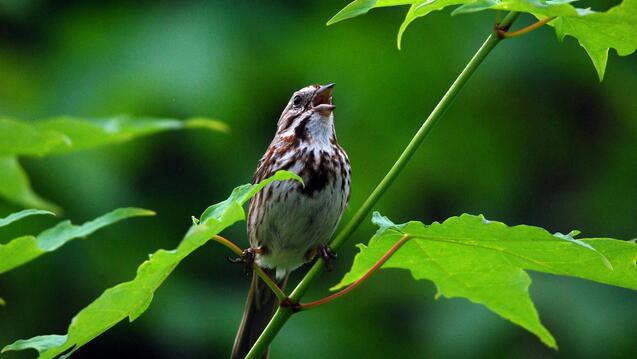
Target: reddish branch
(360,280)
(286,302)
(504,33)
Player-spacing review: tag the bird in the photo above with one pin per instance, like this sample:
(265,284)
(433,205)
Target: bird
(289,223)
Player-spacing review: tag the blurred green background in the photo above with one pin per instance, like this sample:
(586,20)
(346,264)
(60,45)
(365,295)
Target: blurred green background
(533,138)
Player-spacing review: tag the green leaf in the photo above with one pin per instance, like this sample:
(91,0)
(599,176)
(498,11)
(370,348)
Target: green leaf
(131,299)
(19,215)
(2,302)
(27,248)
(599,32)
(16,187)
(243,193)
(421,8)
(68,134)
(542,8)
(24,138)
(538,8)
(486,262)
(40,343)
(361,7)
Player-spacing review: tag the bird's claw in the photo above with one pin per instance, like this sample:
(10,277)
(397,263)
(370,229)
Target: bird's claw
(328,255)
(246,258)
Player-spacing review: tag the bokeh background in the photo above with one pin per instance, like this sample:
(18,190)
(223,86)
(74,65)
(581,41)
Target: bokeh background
(534,138)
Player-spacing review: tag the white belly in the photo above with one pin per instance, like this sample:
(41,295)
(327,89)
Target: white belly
(294,223)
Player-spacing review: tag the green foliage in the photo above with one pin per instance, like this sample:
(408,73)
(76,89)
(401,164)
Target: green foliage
(15,186)
(68,134)
(22,214)
(485,261)
(40,343)
(24,138)
(596,32)
(361,7)
(131,299)
(27,248)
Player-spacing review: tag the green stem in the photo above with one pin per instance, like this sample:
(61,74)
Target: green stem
(283,313)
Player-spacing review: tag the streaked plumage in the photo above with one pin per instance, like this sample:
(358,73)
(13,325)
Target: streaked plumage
(286,220)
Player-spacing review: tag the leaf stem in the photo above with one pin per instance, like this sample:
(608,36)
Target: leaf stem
(540,23)
(283,313)
(228,244)
(280,295)
(278,292)
(360,280)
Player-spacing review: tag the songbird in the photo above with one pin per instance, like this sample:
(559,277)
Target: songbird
(290,223)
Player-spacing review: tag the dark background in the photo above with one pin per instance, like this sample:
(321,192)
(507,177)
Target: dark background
(534,138)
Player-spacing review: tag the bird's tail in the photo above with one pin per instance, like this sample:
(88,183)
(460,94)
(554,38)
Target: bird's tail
(259,309)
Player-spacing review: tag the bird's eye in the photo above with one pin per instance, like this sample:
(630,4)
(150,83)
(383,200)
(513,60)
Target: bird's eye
(297,100)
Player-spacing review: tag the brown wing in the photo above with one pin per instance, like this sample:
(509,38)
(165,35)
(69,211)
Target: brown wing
(264,166)
(263,171)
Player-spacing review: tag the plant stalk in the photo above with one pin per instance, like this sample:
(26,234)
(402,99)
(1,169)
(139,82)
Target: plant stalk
(526,30)
(359,281)
(283,313)
(280,295)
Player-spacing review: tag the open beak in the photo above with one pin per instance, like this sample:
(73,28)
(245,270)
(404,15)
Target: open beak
(322,101)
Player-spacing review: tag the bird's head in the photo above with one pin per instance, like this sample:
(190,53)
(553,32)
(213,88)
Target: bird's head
(309,115)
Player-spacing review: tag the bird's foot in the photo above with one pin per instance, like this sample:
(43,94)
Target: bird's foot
(246,258)
(327,254)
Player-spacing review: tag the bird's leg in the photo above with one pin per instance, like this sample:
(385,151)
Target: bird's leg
(327,254)
(247,258)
